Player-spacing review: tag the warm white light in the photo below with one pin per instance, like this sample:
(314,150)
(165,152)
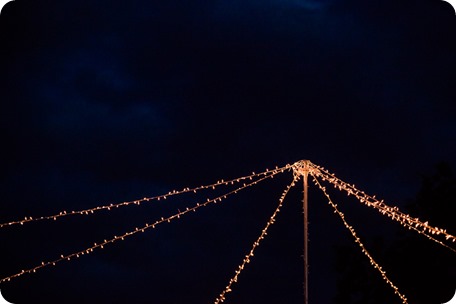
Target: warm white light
(299,169)
(222,296)
(266,175)
(360,244)
(138,202)
(392,212)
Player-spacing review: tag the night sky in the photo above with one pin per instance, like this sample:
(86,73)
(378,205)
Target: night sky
(111,101)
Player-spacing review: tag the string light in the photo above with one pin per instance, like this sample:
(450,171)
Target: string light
(358,241)
(303,167)
(431,238)
(147,199)
(299,169)
(137,230)
(222,296)
(392,212)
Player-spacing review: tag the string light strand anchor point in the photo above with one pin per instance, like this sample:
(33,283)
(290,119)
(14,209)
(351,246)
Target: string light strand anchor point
(303,168)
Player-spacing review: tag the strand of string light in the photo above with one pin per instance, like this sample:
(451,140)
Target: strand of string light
(371,201)
(234,279)
(358,241)
(392,212)
(147,199)
(410,227)
(137,230)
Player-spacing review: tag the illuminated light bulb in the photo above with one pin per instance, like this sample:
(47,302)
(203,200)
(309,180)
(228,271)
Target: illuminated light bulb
(138,202)
(392,212)
(147,226)
(360,244)
(298,170)
(246,260)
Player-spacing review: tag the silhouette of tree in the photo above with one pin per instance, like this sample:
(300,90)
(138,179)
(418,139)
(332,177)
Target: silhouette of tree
(423,270)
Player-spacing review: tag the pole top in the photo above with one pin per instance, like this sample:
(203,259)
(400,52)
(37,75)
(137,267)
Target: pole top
(303,167)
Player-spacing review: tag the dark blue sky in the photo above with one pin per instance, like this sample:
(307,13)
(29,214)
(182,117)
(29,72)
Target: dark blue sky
(106,101)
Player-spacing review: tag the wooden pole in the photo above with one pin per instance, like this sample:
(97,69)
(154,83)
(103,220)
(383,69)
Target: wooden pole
(305,256)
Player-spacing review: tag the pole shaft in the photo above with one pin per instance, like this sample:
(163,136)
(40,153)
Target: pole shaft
(305,256)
